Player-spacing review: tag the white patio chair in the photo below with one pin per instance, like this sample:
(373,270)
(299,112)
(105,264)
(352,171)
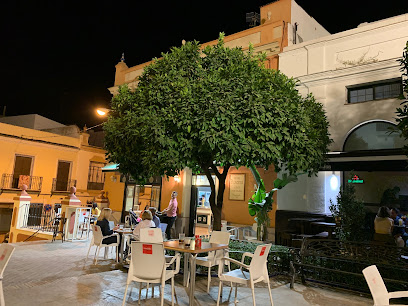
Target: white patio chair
(256,272)
(214,257)
(152,235)
(5,253)
(249,233)
(97,239)
(232,230)
(148,265)
(379,292)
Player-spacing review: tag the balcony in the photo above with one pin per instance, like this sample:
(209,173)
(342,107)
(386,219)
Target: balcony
(13,183)
(62,186)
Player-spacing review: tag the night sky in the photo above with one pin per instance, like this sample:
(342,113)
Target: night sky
(58,57)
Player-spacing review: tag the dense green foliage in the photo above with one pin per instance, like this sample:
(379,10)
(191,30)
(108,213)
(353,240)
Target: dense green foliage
(402,112)
(261,202)
(214,108)
(351,213)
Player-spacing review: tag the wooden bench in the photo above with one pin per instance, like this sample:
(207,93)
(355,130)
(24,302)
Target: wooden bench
(340,264)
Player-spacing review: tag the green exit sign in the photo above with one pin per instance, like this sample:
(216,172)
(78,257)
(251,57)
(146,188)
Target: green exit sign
(356,180)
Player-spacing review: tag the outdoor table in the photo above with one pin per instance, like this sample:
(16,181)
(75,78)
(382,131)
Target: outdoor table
(302,222)
(327,225)
(192,255)
(122,232)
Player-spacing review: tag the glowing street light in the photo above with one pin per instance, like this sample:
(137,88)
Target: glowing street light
(102,111)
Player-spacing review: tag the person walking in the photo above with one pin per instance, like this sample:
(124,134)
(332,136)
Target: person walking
(171,214)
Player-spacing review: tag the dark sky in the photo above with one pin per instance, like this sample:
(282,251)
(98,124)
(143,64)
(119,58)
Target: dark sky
(58,57)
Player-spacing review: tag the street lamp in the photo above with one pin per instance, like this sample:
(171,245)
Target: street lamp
(101,111)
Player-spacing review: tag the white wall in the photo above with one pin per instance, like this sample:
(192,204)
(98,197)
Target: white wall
(308,28)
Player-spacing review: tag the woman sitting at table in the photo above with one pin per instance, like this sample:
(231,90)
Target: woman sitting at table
(103,223)
(147,221)
(383,225)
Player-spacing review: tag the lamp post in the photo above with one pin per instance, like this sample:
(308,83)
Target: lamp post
(102,112)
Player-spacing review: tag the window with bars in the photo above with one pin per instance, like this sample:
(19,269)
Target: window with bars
(96,178)
(375,91)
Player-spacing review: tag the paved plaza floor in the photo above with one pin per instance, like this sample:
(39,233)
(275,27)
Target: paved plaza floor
(45,273)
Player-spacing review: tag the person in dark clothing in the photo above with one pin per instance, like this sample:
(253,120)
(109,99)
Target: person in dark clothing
(103,223)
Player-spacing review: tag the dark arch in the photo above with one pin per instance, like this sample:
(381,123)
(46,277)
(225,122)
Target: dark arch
(373,135)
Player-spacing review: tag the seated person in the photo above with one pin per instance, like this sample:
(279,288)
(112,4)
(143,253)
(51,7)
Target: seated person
(146,222)
(383,226)
(156,220)
(95,212)
(103,223)
(398,232)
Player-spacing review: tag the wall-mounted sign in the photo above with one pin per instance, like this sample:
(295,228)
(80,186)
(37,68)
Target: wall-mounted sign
(237,187)
(356,180)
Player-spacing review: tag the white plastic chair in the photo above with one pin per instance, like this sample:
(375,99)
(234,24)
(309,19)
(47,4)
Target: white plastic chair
(214,257)
(5,253)
(148,265)
(256,272)
(152,235)
(249,233)
(379,292)
(97,239)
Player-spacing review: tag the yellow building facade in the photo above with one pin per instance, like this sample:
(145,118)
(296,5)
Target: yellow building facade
(48,163)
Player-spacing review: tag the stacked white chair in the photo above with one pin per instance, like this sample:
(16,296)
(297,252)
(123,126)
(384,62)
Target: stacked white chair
(214,257)
(256,271)
(6,251)
(148,265)
(380,294)
(97,239)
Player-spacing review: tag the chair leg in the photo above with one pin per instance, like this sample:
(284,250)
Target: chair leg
(236,289)
(270,293)
(253,293)
(219,293)
(172,291)
(96,254)
(162,294)
(209,280)
(152,290)
(87,255)
(147,289)
(2,302)
(124,297)
(140,292)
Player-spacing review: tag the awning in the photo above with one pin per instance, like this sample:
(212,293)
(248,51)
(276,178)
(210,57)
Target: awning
(110,168)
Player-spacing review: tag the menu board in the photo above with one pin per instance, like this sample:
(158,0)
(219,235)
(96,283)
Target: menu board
(237,187)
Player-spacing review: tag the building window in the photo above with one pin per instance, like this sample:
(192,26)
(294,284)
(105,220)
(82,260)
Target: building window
(62,182)
(375,91)
(22,171)
(96,178)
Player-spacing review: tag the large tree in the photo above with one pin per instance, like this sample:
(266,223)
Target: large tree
(402,112)
(211,109)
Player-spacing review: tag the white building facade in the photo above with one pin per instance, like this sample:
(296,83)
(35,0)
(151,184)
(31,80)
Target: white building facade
(356,75)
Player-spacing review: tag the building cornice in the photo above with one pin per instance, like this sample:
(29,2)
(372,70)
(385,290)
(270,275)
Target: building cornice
(378,68)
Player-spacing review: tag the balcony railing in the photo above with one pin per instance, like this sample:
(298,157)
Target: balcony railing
(62,186)
(14,182)
(96,178)
(38,216)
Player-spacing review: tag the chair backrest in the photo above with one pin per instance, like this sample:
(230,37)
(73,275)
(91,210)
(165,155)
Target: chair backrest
(147,260)
(97,234)
(259,260)
(219,237)
(163,227)
(153,235)
(376,285)
(111,225)
(255,227)
(5,253)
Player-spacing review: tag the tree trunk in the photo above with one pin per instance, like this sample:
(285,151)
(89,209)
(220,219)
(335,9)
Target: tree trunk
(216,202)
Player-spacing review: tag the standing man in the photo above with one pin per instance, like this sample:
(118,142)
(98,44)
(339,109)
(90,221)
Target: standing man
(171,213)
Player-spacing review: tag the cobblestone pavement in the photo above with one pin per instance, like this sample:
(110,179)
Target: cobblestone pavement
(45,273)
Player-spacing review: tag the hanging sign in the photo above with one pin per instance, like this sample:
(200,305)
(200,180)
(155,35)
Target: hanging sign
(237,187)
(356,180)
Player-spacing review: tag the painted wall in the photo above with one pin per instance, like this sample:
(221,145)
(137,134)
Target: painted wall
(46,152)
(115,189)
(307,27)
(320,66)
(237,211)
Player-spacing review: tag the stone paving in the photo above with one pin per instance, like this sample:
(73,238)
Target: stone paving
(45,273)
